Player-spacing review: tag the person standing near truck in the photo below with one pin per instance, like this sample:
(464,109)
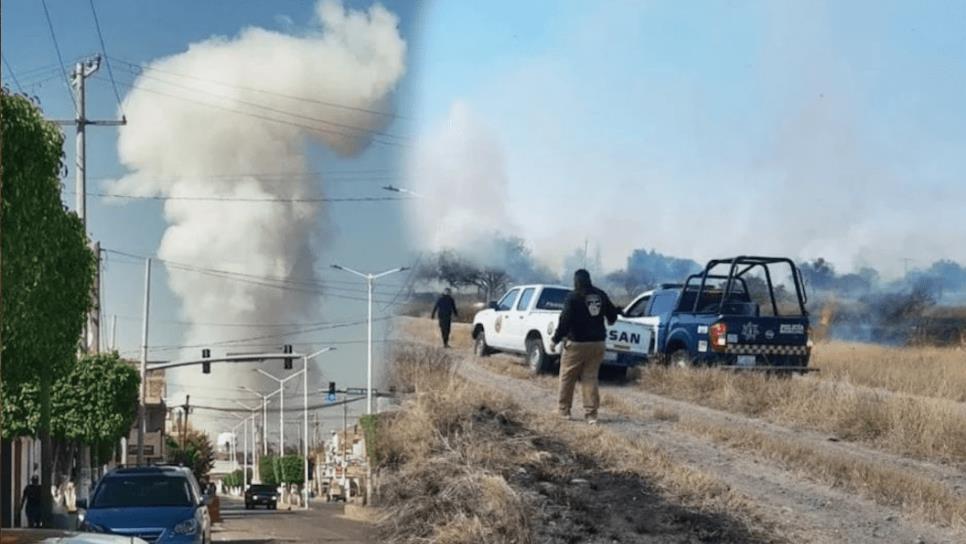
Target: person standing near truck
(446,309)
(582,325)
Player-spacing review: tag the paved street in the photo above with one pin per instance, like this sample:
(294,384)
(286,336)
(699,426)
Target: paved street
(323,523)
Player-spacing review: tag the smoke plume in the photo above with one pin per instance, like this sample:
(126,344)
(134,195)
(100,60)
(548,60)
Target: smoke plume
(460,173)
(232,119)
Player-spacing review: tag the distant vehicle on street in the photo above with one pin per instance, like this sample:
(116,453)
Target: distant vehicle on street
(261,495)
(49,536)
(158,504)
(525,318)
(730,314)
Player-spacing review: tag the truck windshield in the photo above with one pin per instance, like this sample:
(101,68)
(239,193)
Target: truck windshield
(138,491)
(552,298)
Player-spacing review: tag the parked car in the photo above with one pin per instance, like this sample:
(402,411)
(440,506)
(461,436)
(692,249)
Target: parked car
(524,320)
(158,504)
(50,536)
(261,495)
(731,314)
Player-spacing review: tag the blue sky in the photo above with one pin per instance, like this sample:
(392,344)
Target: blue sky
(364,236)
(806,129)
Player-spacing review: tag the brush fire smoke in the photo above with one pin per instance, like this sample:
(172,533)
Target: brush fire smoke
(231,119)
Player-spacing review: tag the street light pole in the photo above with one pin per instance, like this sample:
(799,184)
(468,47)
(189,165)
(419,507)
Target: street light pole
(264,414)
(370,278)
(142,412)
(281,406)
(305,423)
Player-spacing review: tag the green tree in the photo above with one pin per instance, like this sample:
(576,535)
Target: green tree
(96,402)
(267,470)
(196,453)
(47,268)
(290,469)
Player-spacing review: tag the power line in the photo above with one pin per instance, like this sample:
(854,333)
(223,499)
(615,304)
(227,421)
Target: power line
(107,59)
(379,175)
(257,116)
(244,199)
(10,71)
(60,59)
(140,70)
(267,108)
(228,273)
(247,342)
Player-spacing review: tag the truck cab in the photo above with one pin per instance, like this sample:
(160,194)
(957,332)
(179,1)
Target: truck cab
(732,314)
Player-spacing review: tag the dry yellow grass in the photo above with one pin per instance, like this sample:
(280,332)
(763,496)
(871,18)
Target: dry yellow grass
(925,428)
(440,481)
(445,452)
(920,496)
(931,372)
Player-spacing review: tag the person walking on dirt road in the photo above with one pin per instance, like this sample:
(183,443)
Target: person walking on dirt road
(446,309)
(581,324)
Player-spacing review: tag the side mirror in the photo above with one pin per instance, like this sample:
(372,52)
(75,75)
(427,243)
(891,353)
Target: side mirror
(493,305)
(81,504)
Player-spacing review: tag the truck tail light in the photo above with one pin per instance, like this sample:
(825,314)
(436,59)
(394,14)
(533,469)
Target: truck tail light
(718,334)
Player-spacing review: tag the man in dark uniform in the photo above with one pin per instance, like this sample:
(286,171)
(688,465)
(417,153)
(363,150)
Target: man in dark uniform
(446,309)
(33,502)
(582,326)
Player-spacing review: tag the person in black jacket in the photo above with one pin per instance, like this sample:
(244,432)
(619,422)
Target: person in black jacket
(581,324)
(32,502)
(446,309)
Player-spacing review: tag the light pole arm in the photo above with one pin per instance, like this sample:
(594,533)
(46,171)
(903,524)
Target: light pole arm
(387,272)
(351,271)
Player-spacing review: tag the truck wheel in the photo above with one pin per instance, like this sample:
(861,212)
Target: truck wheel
(480,349)
(681,359)
(537,358)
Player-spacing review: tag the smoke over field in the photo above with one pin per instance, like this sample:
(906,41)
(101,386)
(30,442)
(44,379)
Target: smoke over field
(230,120)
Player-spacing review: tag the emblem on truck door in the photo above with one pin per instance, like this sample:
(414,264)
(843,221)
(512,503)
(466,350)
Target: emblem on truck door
(499,324)
(749,331)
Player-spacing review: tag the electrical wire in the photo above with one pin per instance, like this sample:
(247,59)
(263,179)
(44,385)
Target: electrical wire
(60,58)
(257,116)
(270,109)
(243,199)
(140,70)
(228,273)
(107,59)
(12,74)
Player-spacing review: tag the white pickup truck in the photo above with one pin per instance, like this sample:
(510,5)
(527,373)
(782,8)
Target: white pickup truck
(524,320)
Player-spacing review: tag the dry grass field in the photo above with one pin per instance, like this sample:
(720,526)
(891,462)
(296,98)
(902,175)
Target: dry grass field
(926,371)
(879,432)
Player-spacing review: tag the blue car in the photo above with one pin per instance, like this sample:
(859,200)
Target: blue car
(157,504)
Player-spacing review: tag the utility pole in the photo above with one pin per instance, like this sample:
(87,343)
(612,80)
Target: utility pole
(83,70)
(114,332)
(346,488)
(94,316)
(186,407)
(142,424)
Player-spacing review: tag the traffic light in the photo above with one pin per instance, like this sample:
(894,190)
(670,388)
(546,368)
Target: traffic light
(287,348)
(332,388)
(206,366)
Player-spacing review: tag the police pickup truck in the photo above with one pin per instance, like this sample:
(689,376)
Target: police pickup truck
(524,320)
(729,315)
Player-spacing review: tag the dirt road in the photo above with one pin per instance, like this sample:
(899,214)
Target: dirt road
(806,508)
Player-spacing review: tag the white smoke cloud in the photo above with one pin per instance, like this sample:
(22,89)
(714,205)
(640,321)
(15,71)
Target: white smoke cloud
(220,120)
(460,173)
